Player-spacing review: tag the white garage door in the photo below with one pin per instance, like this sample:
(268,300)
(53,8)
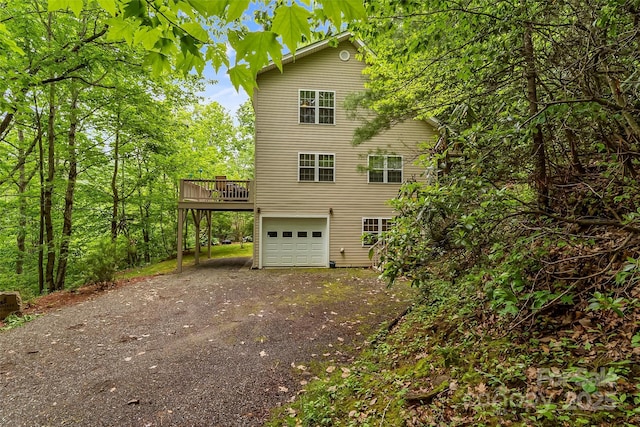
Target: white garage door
(294,242)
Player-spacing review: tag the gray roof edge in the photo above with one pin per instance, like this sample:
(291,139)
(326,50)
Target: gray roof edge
(312,48)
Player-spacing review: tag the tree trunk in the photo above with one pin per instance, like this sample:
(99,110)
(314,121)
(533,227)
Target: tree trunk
(132,250)
(573,147)
(168,249)
(22,207)
(143,208)
(114,183)
(4,125)
(48,191)
(41,230)
(538,149)
(68,198)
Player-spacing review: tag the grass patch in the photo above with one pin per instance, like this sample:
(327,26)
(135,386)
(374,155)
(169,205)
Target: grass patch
(14,321)
(170,265)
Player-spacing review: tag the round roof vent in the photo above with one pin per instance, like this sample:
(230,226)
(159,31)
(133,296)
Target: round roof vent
(345,55)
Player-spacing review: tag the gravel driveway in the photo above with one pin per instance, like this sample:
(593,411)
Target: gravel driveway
(217,345)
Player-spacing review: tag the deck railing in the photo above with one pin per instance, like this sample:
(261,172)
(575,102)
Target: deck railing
(376,252)
(216,190)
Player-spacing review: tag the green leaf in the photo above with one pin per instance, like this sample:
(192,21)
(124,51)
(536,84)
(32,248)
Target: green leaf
(188,45)
(291,22)
(147,37)
(166,46)
(217,55)
(589,387)
(109,6)
(158,62)
(236,8)
(121,29)
(352,10)
(196,30)
(241,75)
(54,5)
(8,41)
(187,61)
(255,48)
(74,5)
(134,8)
(209,8)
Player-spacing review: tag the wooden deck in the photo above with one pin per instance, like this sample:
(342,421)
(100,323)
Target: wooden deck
(204,196)
(216,194)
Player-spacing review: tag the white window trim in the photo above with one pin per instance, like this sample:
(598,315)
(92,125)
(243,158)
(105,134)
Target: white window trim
(316,166)
(379,221)
(385,169)
(317,107)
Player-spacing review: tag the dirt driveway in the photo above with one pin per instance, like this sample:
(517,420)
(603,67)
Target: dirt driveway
(214,346)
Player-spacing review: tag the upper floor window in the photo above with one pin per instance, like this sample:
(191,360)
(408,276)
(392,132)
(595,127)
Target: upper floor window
(317,106)
(383,168)
(316,167)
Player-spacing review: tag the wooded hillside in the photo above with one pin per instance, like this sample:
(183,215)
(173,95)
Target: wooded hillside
(527,244)
(92,148)
(537,197)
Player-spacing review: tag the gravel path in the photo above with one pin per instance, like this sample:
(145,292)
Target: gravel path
(213,346)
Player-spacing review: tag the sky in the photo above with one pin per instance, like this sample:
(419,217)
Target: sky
(223,91)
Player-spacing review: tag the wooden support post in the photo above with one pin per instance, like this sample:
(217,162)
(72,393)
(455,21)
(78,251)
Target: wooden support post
(196,219)
(209,215)
(180,231)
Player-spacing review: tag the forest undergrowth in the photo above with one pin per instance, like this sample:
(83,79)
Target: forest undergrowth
(534,322)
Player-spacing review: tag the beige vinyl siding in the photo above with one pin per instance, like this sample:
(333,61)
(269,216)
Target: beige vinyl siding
(279,139)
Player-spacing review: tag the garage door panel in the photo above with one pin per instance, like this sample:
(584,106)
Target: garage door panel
(294,242)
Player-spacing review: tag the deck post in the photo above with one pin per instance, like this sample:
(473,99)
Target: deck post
(209,215)
(180,231)
(196,219)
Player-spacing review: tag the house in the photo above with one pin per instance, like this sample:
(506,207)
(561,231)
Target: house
(316,194)
(317,200)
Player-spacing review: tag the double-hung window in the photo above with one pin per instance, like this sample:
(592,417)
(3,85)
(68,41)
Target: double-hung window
(317,167)
(384,168)
(317,106)
(371,229)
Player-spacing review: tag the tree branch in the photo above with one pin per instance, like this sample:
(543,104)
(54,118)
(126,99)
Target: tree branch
(589,222)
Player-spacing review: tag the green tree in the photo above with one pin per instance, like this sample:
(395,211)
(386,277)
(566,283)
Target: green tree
(538,109)
(65,84)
